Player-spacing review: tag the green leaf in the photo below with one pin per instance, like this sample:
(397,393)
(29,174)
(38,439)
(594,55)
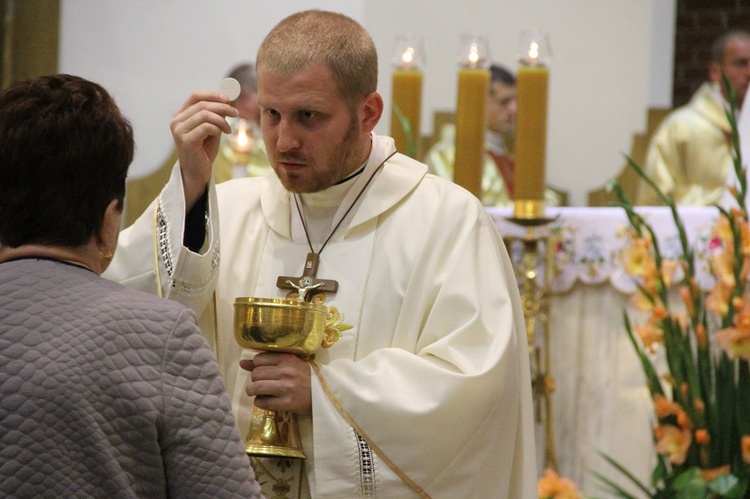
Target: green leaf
(611,486)
(743,398)
(652,378)
(411,144)
(690,484)
(624,471)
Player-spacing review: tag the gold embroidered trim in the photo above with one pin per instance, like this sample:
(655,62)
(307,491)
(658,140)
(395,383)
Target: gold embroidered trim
(367,439)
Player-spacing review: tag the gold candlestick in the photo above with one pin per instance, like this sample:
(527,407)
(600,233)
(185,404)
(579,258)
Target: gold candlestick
(533,261)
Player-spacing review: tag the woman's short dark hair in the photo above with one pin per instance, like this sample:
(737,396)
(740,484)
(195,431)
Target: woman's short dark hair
(65,150)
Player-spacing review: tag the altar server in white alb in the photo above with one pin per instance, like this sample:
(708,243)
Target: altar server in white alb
(428,393)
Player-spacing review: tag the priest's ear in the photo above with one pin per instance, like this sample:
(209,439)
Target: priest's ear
(370,109)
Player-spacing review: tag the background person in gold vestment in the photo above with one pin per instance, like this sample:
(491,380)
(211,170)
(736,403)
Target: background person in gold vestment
(690,155)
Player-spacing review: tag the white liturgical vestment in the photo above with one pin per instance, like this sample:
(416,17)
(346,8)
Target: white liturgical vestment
(428,394)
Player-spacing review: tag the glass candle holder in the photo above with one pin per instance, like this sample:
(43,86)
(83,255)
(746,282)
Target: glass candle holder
(408,52)
(473,52)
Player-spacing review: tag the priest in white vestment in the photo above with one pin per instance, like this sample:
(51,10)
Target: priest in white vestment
(690,155)
(428,393)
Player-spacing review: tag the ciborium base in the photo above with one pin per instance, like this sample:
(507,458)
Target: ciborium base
(273,451)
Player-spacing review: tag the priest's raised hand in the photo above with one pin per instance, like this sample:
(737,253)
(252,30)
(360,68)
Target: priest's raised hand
(197,129)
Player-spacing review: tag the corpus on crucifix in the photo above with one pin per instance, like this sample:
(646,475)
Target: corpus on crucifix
(308,281)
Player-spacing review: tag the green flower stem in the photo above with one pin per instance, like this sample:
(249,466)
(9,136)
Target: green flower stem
(411,143)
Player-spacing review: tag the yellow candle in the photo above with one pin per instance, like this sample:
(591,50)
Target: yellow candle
(531,132)
(407,95)
(471,122)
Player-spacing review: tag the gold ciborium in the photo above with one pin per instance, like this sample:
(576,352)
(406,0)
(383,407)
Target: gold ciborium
(276,325)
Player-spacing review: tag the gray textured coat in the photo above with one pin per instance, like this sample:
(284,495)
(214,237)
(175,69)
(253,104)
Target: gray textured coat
(108,392)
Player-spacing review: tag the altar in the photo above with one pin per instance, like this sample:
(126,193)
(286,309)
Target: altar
(600,401)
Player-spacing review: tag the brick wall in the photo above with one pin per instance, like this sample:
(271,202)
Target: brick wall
(699,23)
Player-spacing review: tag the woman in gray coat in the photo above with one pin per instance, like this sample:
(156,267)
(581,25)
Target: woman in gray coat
(104,391)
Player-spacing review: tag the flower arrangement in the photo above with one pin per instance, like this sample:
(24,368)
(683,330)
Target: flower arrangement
(553,486)
(695,359)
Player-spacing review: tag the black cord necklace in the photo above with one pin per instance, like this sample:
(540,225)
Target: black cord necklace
(304,222)
(308,281)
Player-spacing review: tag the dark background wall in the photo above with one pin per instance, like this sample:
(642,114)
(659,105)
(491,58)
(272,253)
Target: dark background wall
(29,33)
(699,23)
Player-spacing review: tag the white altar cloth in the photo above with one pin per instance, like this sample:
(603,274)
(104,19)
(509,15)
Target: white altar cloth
(601,403)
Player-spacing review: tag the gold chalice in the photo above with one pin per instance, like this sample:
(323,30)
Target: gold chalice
(277,325)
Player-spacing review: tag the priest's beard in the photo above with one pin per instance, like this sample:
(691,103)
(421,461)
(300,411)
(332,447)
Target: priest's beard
(343,159)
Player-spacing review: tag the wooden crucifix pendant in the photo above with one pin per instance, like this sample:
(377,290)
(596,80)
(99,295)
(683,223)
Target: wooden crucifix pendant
(308,282)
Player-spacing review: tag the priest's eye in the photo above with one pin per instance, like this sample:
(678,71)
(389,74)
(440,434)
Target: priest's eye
(307,116)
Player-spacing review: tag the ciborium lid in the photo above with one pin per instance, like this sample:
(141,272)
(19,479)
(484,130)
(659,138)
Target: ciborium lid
(279,325)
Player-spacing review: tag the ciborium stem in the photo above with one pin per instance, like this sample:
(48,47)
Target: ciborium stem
(274,434)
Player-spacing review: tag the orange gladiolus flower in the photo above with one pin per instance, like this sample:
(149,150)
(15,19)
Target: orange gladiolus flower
(637,259)
(659,313)
(717,300)
(641,301)
(723,265)
(674,442)
(650,335)
(683,420)
(699,405)
(553,486)
(735,342)
(688,300)
(700,336)
(668,270)
(723,230)
(744,238)
(745,444)
(742,317)
(664,407)
(702,436)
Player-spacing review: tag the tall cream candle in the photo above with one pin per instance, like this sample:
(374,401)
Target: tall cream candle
(406,95)
(407,98)
(471,113)
(532,84)
(531,132)
(471,122)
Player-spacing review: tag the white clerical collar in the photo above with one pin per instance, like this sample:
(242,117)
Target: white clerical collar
(321,205)
(334,195)
(494,142)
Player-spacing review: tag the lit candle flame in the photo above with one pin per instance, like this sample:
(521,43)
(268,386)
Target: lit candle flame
(408,57)
(534,52)
(242,138)
(473,54)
